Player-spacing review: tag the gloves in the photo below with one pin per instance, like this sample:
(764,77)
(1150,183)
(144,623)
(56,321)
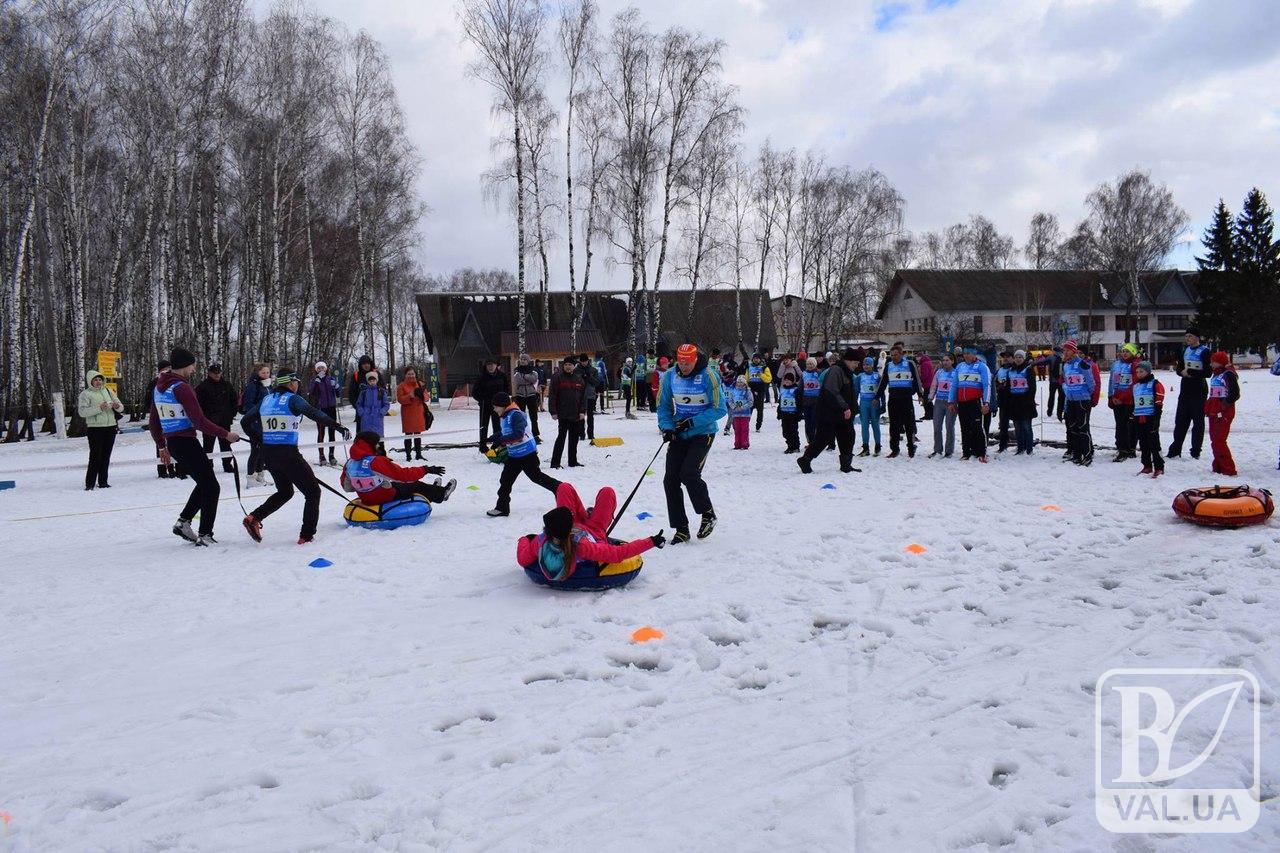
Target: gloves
(658,539)
(684,424)
(417,392)
(669,435)
(435,469)
(344,432)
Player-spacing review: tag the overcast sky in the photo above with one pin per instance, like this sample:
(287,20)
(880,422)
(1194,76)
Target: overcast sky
(999,107)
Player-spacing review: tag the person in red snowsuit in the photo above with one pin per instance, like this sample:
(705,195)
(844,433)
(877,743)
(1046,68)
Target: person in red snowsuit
(1220,409)
(378,480)
(581,534)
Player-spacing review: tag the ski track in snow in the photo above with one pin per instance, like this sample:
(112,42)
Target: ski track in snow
(819,688)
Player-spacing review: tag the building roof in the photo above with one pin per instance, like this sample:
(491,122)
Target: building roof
(545,342)
(1038,290)
(466,326)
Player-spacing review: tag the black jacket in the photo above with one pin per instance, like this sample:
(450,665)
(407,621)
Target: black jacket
(590,378)
(217,401)
(567,395)
(1022,407)
(489,384)
(837,394)
(915,390)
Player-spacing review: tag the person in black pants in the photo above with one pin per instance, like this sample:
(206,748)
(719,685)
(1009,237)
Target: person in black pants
(1194,369)
(492,381)
(1003,399)
(1054,367)
(218,400)
(522,453)
(175,416)
(281,413)
(902,379)
(567,403)
(99,407)
(835,415)
(591,380)
(759,378)
(528,391)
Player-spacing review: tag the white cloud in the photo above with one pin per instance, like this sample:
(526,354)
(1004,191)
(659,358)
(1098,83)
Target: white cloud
(1003,107)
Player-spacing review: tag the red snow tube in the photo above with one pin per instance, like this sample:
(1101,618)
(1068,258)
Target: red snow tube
(1224,506)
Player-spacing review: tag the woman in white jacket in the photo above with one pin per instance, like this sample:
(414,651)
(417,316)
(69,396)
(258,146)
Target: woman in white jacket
(98,405)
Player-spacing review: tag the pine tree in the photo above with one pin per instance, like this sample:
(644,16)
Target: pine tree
(1257,258)
(1221,293)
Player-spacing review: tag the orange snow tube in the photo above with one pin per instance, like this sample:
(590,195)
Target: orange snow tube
(1224,506)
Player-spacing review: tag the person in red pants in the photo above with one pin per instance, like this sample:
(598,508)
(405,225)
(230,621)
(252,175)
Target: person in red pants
(571,532)
(1220,409)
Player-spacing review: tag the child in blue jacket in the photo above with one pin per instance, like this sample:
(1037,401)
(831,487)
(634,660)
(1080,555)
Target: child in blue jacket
(741,401)
(372,405)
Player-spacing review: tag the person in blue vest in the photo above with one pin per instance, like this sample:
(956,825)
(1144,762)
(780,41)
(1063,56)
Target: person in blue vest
(1080,384)
(870,402)
(1148,404)
(1002,400)
(690,406)
(971,399)
(740,399)
(759,378)
(1194,369)
(522,453)
(942,391)
(901,378)
(810,388)
(281,413)
(175,415)
(1021,405)
(790,411)
(1120,399)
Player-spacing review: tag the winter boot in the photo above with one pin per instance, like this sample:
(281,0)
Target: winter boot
(680,536)
(182,527)
(866,451)
(877,453)
(253,527)
(803,462)
(708,524)
(408,450)
(498,513)
(1146,469)
(417,450)
(1157,473)
(911,451)
(162,472)
(206,539)
(448,490)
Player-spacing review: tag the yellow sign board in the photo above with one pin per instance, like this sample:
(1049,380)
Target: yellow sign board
(115,387)
(109,364)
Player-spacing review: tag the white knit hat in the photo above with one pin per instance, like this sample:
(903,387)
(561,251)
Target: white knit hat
(320,365)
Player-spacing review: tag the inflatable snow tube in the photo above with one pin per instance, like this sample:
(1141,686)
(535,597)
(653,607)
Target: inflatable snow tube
(590,576)
(389,515)
(496,455)
(1224,506)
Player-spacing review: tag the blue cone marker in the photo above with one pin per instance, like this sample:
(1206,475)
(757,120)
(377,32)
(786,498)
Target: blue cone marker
(320,563)
(830,486)
(642,516)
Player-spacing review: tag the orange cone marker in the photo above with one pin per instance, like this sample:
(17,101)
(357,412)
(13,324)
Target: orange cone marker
(1051,508)
(645,634)
(915,548)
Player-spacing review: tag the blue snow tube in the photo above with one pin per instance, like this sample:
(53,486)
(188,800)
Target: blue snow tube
(388,516)
(590,576)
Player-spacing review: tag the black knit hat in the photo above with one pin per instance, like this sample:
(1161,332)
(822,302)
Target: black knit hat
(502,398)
(558,522)
(180,358)
(1193,330)
(850,355)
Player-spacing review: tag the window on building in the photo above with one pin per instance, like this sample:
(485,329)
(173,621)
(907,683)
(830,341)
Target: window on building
(1039,323)
(1132,323)
(1172,322)
(977,324)
(1008,322)
(1093,323)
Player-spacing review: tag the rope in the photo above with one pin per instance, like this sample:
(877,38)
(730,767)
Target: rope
(618,515)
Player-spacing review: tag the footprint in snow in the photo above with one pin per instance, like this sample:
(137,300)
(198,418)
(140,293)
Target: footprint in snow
(455,721)
(1108,584)
(1001,773)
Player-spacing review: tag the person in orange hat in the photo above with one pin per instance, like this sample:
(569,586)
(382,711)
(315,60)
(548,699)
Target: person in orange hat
(691,403)
(1220,409)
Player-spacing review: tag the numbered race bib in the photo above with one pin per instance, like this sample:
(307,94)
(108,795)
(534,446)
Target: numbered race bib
(1123,380)
(691,399)
(899,375)
(811,385)
(944,386)
(281,423)
(1218,391)
(171,411)
(1075,379)
(1018,383)
(1144,401)
(1194,364)
(971,378)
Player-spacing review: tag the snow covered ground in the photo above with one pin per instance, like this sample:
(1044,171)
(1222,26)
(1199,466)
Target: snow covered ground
(819,687)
